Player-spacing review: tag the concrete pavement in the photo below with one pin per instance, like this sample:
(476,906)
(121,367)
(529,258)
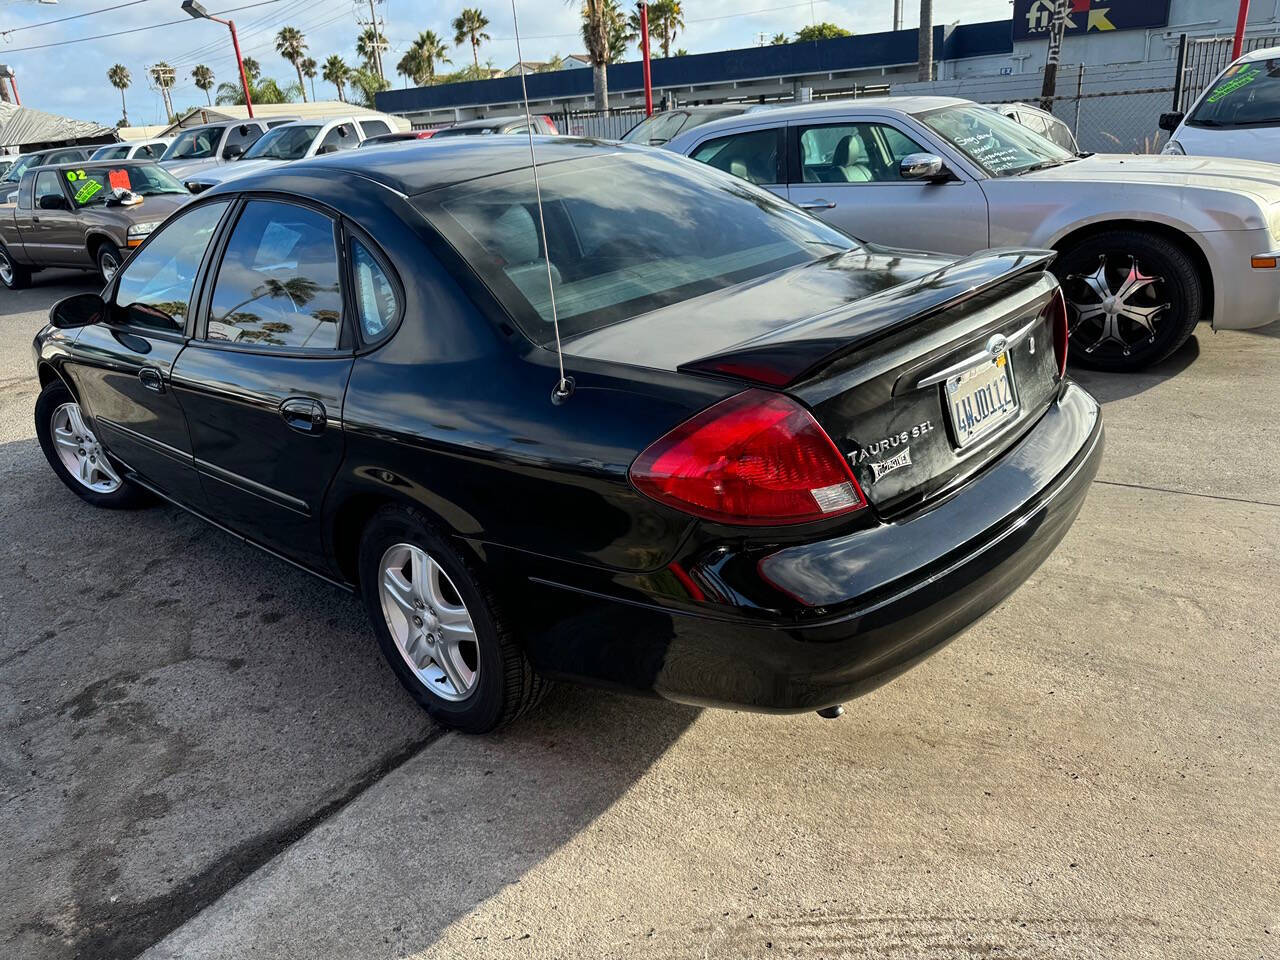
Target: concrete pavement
(202,753)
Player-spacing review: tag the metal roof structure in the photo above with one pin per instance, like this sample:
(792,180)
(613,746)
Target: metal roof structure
(313,109)
(28,127)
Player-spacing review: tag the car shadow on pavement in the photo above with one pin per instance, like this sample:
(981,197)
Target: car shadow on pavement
(177,708)
(1107,387)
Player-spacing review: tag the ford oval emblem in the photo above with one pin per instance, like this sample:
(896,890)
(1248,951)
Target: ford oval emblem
(997,345)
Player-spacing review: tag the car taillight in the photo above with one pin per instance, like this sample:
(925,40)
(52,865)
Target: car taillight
(550,126)
(1056,311)
(757,458)
(426,134)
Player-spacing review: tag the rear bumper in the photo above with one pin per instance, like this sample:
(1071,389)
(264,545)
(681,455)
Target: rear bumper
(881,599)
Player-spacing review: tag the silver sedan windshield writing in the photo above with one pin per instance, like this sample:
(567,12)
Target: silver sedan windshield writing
(997,144)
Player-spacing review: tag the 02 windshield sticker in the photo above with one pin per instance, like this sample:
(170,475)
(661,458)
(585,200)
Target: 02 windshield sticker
(1233,81)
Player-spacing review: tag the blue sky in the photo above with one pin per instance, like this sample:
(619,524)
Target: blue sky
(71,79)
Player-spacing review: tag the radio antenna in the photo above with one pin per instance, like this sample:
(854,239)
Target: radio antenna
(564,387)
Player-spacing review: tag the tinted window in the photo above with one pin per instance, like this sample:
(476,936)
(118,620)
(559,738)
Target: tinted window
(149,151)
(1246,93)
(341,137)
(24,193)
(15,172)
(111,153)
(373,128)
(753,156)
(277,285)
(627,233)
(154,288)
(242,136)
(49,195)
(375,296)
(66,156)
(284,143)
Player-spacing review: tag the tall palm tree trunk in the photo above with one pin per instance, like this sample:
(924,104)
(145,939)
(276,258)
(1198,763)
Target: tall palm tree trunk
(475,51)
(926,40)
(600,86)
(297,65)
(124,109)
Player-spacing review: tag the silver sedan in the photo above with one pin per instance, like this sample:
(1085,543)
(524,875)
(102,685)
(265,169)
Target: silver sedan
(1148,245)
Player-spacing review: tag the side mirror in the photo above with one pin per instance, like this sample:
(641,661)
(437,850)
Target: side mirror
(78,310)
(920,166)
(1170,121)
(232,151)
(54,202)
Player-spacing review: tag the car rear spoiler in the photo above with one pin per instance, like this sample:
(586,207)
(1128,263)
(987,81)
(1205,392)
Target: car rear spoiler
(790,353)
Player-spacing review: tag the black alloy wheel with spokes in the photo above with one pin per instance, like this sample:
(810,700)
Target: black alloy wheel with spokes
(1133,298)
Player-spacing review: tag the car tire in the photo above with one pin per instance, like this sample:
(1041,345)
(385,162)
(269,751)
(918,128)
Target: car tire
(13,275)
(109,260)
(77,457)
(442,632)
(1133,298)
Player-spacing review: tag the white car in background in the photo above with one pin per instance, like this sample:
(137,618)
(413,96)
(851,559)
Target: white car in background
(1041,121)
(1147,245)
(1237,115)
(133,150)
(292,141)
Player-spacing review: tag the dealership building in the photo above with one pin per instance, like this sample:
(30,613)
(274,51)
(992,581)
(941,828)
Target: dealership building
(1103,34)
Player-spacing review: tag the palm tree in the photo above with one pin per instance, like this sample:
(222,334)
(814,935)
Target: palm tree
(251,69)
(411,66)
(925,48)
(337,73)
(163,76)
(370,46)
(779,39)
(292,45)
(666,19)
(203,76)
(433,51)
(120,79)
(309,71)
(469,25)
(605,35)
(365,82)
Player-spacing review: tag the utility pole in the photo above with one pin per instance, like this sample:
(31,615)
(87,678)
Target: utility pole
(1242,20)
(897,14)
(377,37)
(1056,29)
(926,41)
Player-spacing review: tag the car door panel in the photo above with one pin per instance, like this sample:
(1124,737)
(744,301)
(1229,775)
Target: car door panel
(858,192)
(123,370)
(263,473)
(262,384)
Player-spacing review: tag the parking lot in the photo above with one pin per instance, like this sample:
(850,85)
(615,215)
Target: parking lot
(204,754)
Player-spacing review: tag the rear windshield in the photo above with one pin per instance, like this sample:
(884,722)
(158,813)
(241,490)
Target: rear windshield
(661,127)
(283,143)
(196,144)
(117,152)
(1247,94)
(15,172)
(628,233)
(464,131)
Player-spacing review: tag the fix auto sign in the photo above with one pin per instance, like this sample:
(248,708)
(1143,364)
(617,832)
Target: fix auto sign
(1031,18)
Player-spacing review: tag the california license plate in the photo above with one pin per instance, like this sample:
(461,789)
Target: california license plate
(981,399)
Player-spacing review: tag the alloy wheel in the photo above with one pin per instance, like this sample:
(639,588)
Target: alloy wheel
(80,452)
(6,269)
(1116,305)
(429,621)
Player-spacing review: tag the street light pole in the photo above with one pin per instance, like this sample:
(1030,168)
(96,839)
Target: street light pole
(194,9)
(1242,20)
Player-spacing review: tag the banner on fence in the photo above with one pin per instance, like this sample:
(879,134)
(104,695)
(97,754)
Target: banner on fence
(1031,18)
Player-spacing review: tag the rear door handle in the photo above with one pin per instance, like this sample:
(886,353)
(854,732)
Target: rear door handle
(817,204)
(303,414)
(151,379)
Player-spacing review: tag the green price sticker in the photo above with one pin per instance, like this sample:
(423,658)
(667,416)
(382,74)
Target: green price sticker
(85,193)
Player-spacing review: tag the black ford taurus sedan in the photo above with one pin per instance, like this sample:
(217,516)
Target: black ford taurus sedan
(781,467)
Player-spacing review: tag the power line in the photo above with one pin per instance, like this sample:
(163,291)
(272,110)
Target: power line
(121,33)
(91,13)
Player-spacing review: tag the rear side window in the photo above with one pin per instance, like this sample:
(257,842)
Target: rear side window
(244,135)
(341,137)
(752,156)
(375,295)
(373,128)
(277,285)
(154,288)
